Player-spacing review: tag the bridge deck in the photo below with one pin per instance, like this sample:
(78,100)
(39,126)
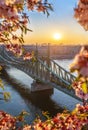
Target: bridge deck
(52,73)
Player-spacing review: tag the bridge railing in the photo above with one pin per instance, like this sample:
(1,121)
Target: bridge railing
(60,72)
(11,58)
(41,69)
(36,70)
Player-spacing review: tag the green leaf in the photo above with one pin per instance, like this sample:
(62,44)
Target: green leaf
(50,7)
(25,30)
(21,28)
(47,13)
(29,30)
(0,68)
(84,88)
(46,114)
(1,84)
(21,40)
(6,34)
(22,115)
(7,96)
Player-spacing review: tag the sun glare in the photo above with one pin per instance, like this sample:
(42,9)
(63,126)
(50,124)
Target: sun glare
(57,36)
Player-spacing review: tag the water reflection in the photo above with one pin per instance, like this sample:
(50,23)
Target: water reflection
(22,98)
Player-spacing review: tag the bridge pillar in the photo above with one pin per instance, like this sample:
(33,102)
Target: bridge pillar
(41,87)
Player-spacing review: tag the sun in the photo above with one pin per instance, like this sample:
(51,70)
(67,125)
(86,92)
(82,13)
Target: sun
(57,36)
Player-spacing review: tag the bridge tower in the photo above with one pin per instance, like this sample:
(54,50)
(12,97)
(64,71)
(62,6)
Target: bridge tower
(38,85)
(48,55)
(36,51)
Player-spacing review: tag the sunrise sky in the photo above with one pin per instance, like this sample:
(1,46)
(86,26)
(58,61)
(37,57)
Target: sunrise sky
(60,21)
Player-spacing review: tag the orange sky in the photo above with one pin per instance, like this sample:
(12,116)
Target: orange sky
(61,20)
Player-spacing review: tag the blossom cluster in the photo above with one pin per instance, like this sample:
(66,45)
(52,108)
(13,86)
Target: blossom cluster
(81,89)
(72,121)
(81,13)
(75,120)
(7,121)
(15,48)
(18,50)
(13,17)
(80,62)
(28,56)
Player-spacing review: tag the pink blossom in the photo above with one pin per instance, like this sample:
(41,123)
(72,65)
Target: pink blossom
(81,12)
(84,71)
(80,62)
(79,91)
(27,56)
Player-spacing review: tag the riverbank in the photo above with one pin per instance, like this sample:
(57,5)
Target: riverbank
(55,51)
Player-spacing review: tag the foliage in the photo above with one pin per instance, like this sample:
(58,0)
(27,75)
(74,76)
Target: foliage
(14,22)
(66,120)
(81,12)
(80,64)
(6,95)
(75,120)
(13,18)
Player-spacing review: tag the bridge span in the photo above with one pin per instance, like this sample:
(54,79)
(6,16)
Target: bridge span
(51,74)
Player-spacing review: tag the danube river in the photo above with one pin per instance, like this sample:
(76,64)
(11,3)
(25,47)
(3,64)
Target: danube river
(18,84)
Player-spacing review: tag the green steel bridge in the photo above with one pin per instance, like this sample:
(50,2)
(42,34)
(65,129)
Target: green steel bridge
(40,70)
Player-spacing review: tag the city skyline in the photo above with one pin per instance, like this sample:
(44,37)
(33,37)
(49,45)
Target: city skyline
(60,21)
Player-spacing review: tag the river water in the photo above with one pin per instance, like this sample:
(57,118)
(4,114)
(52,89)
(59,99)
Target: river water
(18,84)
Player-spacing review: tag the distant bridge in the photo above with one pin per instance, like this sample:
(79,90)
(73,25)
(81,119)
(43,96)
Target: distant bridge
(51,73)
